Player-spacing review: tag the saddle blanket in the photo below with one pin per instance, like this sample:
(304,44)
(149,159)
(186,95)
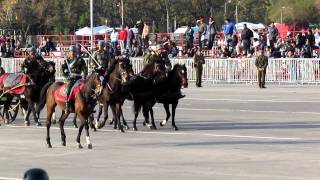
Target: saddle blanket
(61,92)
(11,80)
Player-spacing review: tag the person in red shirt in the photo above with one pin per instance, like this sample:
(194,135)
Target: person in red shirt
(123,38)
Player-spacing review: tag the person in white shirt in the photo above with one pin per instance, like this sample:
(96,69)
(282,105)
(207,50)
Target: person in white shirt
(114,40)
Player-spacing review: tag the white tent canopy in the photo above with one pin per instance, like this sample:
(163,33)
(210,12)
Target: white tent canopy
(96,30)
(252,26)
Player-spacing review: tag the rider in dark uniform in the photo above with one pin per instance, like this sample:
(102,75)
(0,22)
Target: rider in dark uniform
(32,64)
(72,69)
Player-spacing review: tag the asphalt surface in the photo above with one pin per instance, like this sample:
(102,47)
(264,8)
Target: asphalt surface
(234,132)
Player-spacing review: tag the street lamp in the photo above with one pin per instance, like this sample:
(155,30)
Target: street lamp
(237,17)
(283,7)
(225,7)
(121,6)
(91,23)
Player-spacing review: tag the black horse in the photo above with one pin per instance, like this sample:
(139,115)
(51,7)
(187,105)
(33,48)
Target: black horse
(42,75)
(165,89)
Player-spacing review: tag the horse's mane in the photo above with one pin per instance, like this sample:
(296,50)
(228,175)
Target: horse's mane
(89,85)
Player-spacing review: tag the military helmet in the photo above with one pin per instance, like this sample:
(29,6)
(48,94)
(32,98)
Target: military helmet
(101,44)
(73,48)
(35,174)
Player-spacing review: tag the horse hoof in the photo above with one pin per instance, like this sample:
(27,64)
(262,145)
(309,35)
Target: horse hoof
(79,146)
(38,124)
(121,129)
(127,127)
(63,143)
(145,124)
(49,146)
(110,122)
(89,146)
(94,129)
(135,129)
(75,126)
(153,127)
(26,123)
(54,122)
(163,122)
(175,128)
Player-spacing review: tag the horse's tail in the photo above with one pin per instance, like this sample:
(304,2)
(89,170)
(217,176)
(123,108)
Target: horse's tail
(43,98)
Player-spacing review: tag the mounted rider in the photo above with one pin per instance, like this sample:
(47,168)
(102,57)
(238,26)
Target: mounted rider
(33,64)
(159,56)
(72,69)
(102,56)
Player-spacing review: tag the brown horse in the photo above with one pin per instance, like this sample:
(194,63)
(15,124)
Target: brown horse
(148,73)
(112,95)
(84,103)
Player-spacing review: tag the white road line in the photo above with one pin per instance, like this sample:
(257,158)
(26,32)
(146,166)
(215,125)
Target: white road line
(7,178)
(244,110)
(188,133)
(257,100)
(259,176)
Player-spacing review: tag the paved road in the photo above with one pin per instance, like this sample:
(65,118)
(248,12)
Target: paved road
(226,132)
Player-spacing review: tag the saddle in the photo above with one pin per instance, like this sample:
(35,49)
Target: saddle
(12,80)
(61,92)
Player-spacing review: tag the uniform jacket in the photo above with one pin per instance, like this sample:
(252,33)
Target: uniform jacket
(261,61)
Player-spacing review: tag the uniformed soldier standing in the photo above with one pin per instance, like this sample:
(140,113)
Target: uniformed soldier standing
(261,64)
(72,69)
(198,60)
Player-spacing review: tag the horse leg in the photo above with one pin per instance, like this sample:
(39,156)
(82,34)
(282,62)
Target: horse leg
(50,110)
(153,125)
(75,121)
(145,112)
(166,107)
(35,115)
(26,117)
(84,123)
(100,112)
(118,113)
(114,113)
(174,106)
(62,119)
(105,107)
(79,133)
(89,145)
(91,119)
(48,124)
(54,118)
(123,120)
(136,108)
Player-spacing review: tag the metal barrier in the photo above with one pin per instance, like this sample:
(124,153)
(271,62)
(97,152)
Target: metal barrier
(296,71)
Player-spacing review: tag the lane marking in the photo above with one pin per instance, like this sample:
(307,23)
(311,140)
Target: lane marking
(7,178)
(261,176)
(187,133)
(257,100)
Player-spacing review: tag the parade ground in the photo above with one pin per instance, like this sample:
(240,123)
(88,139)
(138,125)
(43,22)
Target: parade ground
(226,132)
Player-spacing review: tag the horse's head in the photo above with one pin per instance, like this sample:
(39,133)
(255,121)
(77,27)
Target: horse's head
(153,70)
(181,74)
(95,83)
(125,69)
